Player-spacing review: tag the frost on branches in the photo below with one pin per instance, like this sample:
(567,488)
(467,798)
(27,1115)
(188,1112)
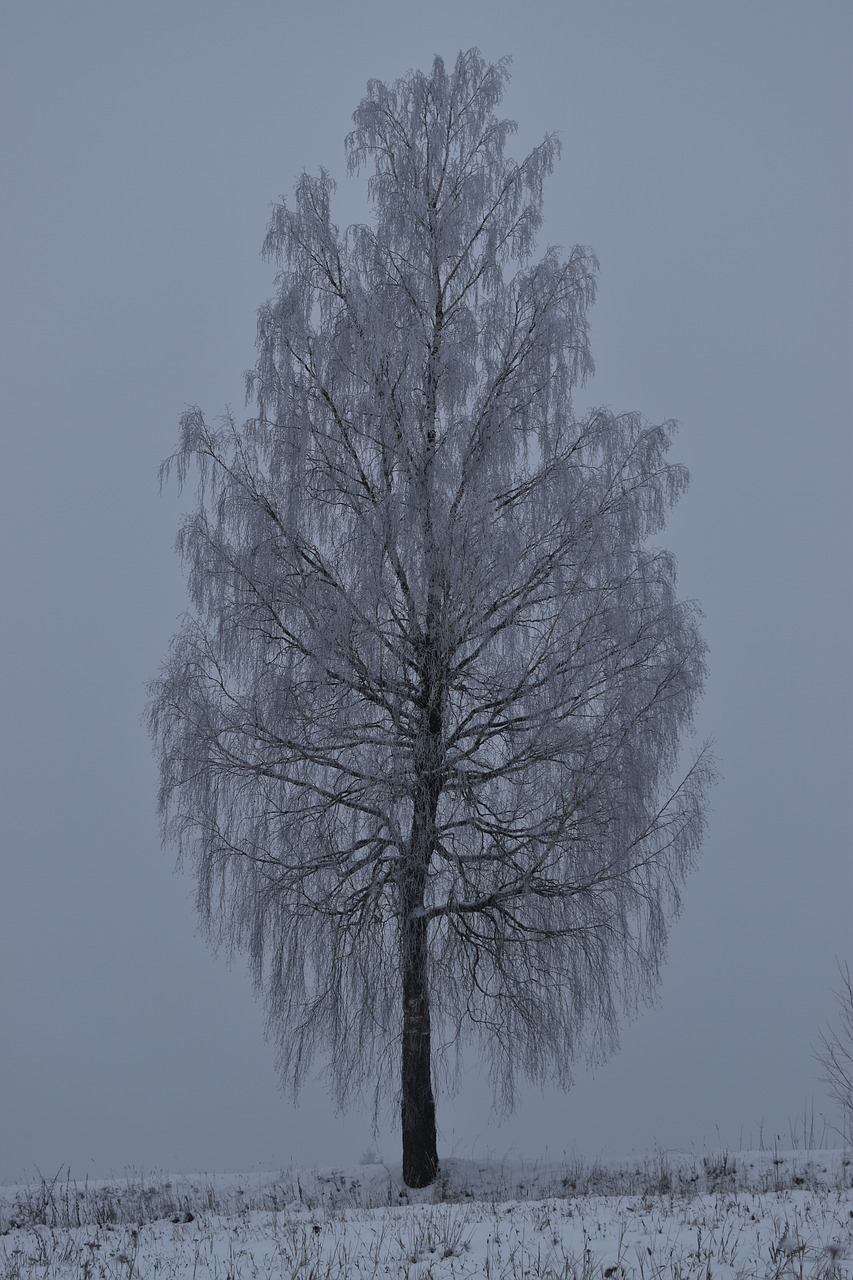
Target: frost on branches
(418,735)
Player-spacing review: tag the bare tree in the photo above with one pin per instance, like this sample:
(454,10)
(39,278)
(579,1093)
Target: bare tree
(418,734)
(835,1054)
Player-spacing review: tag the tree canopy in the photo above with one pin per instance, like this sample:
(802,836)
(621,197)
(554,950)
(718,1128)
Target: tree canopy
(419,733)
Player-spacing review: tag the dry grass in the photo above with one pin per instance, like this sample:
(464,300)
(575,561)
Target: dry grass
(718,1217)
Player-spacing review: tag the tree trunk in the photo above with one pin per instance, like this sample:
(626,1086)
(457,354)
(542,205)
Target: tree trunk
(420,1150)
(420,1143)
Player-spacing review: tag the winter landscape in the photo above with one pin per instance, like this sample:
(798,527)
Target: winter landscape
(507,776)
(730,1216)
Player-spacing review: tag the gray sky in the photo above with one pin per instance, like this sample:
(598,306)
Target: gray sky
(708,161)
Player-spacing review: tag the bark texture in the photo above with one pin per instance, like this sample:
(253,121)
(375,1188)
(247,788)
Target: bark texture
(420,1149)
(420,1152)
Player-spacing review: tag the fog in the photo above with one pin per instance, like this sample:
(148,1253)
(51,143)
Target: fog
(707,160)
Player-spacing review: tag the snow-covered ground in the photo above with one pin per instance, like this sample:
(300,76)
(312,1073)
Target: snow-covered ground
(671,1216)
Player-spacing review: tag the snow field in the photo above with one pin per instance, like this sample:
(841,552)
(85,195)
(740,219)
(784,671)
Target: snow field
(767,1216)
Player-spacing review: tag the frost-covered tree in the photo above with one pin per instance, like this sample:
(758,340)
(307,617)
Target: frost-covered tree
(419,733)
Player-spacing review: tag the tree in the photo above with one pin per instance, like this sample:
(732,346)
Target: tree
(417,736)
(835,1054)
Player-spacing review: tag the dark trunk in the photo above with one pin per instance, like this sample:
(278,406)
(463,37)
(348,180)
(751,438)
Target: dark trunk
(420,1151)
(420,1143)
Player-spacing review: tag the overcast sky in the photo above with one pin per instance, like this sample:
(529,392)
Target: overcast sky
(707,159)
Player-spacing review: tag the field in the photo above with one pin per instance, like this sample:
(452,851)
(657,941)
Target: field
(670,1216)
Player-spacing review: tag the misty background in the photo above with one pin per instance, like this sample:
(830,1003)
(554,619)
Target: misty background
(707,160)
